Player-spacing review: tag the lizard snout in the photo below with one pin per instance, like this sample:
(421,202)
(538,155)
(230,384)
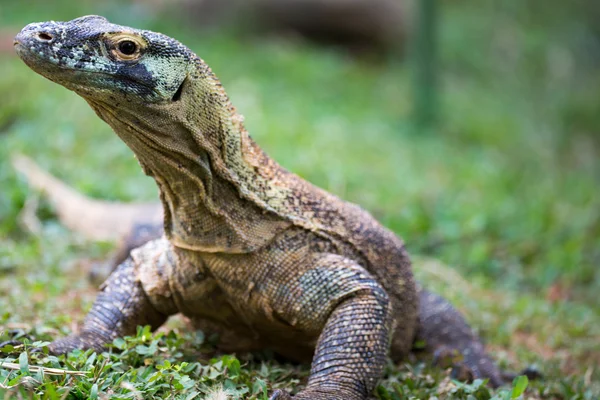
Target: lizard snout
(35,35)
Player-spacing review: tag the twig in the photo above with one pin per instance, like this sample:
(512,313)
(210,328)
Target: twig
(46,370)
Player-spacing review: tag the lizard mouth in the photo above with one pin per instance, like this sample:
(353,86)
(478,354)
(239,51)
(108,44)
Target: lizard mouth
(18,46)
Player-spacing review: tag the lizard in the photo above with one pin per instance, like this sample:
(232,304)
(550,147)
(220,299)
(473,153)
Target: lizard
(250,251)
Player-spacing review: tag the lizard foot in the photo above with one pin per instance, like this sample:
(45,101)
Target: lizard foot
(476,365)
(468,366)
(531,372)
(316,394)
(82,341)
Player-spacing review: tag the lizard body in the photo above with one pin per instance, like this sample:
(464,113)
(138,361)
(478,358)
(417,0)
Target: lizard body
(250,250)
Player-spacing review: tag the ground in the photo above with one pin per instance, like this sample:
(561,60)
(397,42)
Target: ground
(499,204)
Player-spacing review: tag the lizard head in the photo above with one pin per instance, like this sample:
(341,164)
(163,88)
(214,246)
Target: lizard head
(105,62)
(165,103)
(147,86)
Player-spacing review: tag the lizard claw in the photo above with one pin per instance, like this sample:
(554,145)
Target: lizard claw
(280,395)
(315,394)
(531,372)
(469,366)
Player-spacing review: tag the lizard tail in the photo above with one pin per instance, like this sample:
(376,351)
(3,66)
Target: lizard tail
(94,219)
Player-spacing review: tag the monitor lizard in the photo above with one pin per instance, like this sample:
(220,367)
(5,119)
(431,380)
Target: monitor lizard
(250,251)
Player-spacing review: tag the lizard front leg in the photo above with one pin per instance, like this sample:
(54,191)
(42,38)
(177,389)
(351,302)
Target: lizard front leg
(356,315)
(140,234)
(120,307)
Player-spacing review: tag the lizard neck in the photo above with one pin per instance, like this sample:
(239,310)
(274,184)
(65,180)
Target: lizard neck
(213,179)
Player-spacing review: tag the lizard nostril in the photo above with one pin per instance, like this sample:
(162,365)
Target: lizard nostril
(44,37)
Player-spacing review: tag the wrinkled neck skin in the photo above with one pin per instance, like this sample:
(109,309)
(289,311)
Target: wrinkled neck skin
(205,165)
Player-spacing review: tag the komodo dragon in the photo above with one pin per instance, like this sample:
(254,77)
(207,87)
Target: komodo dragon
(250,251)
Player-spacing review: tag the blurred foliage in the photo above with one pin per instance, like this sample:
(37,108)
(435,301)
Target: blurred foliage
(506,191)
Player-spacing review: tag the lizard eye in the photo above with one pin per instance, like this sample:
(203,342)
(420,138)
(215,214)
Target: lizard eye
(127,47)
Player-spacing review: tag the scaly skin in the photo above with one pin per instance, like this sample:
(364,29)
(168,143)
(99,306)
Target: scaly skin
(250,251)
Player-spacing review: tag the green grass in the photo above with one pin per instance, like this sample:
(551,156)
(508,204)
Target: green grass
(505,191)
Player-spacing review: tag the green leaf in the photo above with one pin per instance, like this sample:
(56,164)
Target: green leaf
(234,367)
(119,343)
(519,385)
(90,361)
(192,395)
(259,386)
(142,350)
(24,363)
(9,348)
(186,382)
(50,392)
(94,392)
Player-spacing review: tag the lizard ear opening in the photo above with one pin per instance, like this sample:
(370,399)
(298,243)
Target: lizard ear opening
(177,94)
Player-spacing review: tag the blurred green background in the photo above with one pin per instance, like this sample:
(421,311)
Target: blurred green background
(503,188)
